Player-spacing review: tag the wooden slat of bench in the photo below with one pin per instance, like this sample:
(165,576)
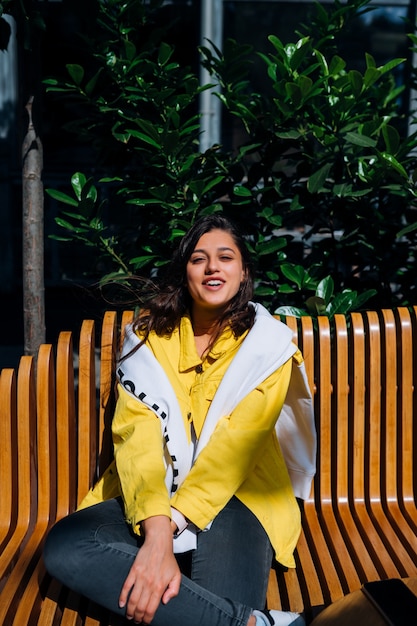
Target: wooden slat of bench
(388,546)
(46,455)
(62,465)
(49,605)
(65,426)
(300,589)
(106,406)
(30,559)
(395,378)
(80,439)
(290,591)
(313,556)
(24,578)
(342,439)
(365,434)
(306,342)
(8,418)
(73,608)
(317,577)
(310,573)
(21,487)
(327,461)
(93,443)
(87,444)
(18,554)
(408,407)
(62,607)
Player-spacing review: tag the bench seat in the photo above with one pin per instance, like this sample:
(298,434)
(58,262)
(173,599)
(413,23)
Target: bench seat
(359,524)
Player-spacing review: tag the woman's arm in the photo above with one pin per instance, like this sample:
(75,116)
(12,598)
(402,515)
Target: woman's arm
(138,452)
(154,575)
(235,447)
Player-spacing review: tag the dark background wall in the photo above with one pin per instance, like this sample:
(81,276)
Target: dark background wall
(69,293)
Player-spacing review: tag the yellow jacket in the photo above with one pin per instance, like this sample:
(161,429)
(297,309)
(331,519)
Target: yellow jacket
(242,458)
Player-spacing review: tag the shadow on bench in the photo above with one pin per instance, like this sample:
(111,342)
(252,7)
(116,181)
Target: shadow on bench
(360,523)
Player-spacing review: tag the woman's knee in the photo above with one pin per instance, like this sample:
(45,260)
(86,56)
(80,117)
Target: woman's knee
(77,538)
(60,544)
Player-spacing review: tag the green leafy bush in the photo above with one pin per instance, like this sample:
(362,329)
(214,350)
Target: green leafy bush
(323,184)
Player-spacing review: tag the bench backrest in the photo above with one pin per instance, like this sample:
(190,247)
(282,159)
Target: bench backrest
(361,368)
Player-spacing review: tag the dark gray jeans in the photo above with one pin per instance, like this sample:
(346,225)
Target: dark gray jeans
(92,550)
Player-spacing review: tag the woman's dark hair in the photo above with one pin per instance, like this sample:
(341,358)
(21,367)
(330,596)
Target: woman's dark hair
(163,311)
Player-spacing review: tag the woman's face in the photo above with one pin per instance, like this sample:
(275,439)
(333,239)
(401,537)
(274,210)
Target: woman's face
(214,271)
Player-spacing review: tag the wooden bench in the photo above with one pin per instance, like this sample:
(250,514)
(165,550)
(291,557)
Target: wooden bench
(359,524)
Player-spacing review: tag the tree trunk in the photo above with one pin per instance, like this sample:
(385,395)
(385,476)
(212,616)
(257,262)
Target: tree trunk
(33,240)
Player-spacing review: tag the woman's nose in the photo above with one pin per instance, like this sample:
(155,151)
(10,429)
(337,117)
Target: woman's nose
(211,266)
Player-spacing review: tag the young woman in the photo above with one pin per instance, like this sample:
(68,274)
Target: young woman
(183,527)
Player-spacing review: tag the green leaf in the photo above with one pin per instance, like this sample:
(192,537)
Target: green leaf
(305,83)
(65,224)
(239,190)
(342,303)
(50,81)
(62,197)
(165,53)
(337,65)
(111,179)
(364,297)
(316,306)
(392,139)
(271,246)
(290,311)
(146,138)
(408,229)
(86,206)
(78,180)
(60,238)
(290,134)
(276,220)
(388,67)
(272,275)
(143,201)
(130,49)
(294,273)
(360,140)
(316,181)
(370,61)
(396,165)
(286,288)
(276,42)
(371,76)
(90,86)
(141,261)
(212,183)
(262,290)
(293,91)
(325,289)
(76,72)
(356,82)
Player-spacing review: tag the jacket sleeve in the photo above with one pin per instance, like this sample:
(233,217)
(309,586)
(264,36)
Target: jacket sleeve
(138,452)
(233,450)
(296,432)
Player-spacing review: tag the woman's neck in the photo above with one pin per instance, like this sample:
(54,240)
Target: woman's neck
(205,328)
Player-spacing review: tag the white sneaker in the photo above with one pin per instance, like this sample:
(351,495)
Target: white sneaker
(280,618)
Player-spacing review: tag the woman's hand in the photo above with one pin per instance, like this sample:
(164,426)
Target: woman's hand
(154,575)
